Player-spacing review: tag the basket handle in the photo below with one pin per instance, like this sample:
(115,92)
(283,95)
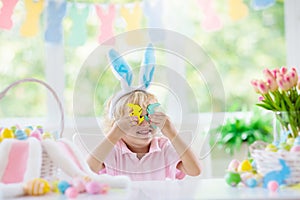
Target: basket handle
(62,120)
(257,145)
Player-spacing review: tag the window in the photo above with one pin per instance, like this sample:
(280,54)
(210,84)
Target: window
(240,50)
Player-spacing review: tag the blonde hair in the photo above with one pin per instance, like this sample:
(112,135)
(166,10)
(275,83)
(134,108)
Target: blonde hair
(121,108)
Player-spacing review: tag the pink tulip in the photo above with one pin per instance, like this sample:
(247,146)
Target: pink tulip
(292,76)
(254,83)
(283,70)
(294,69)
(263,87)
(270,79)
(284,82)
(268,73)
(275,72)
(260,98)
(272,84)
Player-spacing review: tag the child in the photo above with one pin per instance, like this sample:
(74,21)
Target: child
(131,146)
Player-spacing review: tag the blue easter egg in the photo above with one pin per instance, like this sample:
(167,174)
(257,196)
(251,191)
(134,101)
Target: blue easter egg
(63,186)
(297,141)
(251,182)
(253,164)
(20,134)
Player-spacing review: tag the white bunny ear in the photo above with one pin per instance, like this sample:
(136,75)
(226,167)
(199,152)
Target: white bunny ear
(120,68)
(148,66)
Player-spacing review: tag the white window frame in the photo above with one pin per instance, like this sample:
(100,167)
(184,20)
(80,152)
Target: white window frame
(292,32)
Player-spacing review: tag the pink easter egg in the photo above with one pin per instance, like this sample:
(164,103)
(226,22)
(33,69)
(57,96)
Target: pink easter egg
(233,165)
(36,134)
(104,189)
(295,148)
(78,184)
(273,186)
(93,187)
(71,193)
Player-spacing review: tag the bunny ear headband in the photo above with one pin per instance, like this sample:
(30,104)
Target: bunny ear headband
(123,72)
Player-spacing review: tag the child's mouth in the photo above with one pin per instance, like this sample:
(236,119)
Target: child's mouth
(144,132)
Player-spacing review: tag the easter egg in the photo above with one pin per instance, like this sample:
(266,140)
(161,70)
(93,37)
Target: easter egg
(233,165)
(245,176)
(13,128)
(295,148)
(251,182)
(290,141)
(47,135)
(297,141)
(273,186)
(245,166)
(71,193)
(232,178)
(63,186)
(271,147)
(104,189)
(37,187)
(78,184)
(253,164)
(54,187)
(20,134)
(27,131)
(285,146)
(36,134)
(7,133)
(40,128)
(93,187)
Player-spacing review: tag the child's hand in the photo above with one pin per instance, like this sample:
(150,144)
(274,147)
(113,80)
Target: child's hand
(163,122)
(127,124)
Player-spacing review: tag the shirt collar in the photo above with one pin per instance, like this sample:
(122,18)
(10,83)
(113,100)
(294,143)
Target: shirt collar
(154,146)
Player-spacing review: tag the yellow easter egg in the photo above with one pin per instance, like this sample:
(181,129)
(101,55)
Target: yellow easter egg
(245,166)
(36,187)
(271,147)
(27,131)
(47,135)
(7,133)
(55,186)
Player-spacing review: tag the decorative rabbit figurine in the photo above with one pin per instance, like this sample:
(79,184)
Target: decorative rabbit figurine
(278,176)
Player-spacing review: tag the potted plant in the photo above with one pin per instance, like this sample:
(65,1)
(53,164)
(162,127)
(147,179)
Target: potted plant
(237,131)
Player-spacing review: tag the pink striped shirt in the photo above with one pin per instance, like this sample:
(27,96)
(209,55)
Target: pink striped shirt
(158,164)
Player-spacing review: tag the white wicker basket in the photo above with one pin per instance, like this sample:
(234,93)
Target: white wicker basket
(48,170)
(267,161)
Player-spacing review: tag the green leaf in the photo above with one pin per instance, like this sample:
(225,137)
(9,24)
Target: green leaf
(283,106)
(228,137)
(265,106)
(288,102)
(238,143)
(297,104)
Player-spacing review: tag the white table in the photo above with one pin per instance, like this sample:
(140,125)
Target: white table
(186,189)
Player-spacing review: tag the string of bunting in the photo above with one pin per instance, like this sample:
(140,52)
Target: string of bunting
(132,13)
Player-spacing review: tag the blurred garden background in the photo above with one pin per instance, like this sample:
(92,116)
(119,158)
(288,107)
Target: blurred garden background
(239,36)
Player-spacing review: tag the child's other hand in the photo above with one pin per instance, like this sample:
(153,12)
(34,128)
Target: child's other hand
(163,122)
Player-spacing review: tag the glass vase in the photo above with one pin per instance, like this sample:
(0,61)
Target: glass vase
(287,124)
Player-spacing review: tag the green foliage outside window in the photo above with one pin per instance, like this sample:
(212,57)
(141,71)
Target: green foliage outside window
(239,50)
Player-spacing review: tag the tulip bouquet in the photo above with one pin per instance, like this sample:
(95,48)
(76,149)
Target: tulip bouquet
(280,92)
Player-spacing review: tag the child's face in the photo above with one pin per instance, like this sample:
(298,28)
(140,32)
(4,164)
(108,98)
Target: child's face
(143,134)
